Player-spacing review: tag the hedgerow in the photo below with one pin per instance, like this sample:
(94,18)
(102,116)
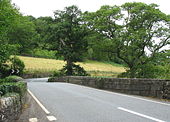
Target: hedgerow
(12,84)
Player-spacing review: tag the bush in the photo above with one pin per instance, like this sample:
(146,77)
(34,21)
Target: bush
(17,66)
(12,79)
(14,67)
(19,87)
(4,70)
(6,50)
(149,71)
(58,74)
(76,70)
(43,54)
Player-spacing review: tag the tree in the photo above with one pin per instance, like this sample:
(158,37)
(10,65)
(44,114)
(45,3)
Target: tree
(8,16)
(138,31)
(69,38)
(24,35)
(42,26)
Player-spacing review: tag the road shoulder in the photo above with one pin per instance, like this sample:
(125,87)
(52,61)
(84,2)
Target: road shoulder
(32,111)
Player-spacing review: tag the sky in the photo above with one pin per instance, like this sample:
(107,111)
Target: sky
(39,8)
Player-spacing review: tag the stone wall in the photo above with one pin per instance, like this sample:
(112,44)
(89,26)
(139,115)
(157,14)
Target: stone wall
(36,75)
(144,87)
(10,108)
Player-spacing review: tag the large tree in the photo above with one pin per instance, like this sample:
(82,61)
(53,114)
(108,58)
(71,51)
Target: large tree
(69,38)
(138,31)
(8,16)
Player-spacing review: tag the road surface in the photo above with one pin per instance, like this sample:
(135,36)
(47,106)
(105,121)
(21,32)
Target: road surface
(74,103)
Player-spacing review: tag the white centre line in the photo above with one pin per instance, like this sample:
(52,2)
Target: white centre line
(142,115)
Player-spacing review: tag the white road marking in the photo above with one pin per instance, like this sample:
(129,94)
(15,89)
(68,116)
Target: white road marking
(51,118)
(33,120)
(39,103)
(142,115)
(124,95)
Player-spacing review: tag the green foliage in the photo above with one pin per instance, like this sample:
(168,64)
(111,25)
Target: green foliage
(69,37)
(43,28)
(42,53)
(158,67)
(5,51)
(131,30)
(147,71)
(75,71)
(8,15)
(58,74)
(19,87)
(12,84)
(150,71)
(17,65)
(14,67)
(4,71)
(102,24)
(23,33)
(11,79)
(163,60)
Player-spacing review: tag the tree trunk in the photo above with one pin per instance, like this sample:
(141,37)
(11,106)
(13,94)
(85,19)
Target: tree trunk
(69,68)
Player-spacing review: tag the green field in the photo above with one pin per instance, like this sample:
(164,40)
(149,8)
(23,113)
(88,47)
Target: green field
(95,68)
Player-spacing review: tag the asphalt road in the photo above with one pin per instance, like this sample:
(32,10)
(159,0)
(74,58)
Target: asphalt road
(74,103)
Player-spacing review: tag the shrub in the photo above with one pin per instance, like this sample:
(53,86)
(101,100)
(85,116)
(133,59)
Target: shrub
(58,74)
(149,71)
(14,67)
(44,54)
(12,78)
(19,87)
(17,65)
(4,70)
(76,70)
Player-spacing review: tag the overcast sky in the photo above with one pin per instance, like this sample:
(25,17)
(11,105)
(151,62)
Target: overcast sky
(39,8)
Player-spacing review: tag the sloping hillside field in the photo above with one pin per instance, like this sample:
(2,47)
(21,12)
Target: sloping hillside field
(49,65)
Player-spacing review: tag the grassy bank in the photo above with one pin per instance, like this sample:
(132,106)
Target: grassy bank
(95,68)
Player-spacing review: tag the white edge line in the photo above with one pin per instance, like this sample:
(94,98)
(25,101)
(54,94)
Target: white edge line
(33,120)
(39,103)
(130,96)
(142,115)
(51,118)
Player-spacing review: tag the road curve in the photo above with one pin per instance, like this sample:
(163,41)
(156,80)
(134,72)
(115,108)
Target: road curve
(74,103)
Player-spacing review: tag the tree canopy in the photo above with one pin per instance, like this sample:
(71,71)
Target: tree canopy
(69,37)
(138,31)
(8,17)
